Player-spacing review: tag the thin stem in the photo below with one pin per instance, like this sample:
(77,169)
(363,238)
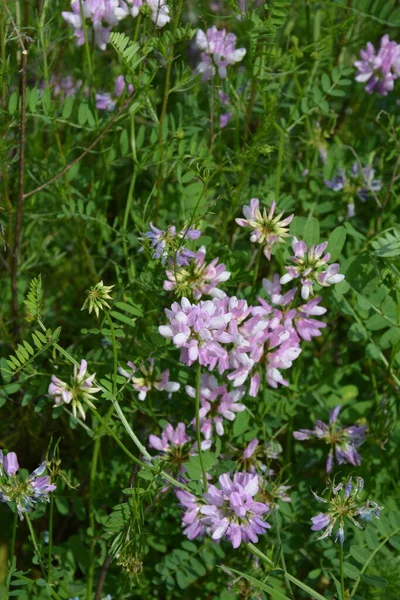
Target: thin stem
(12,547)
(256,269)
(282,556)
(198,432)
(36,547)
(88,149)
(114,351)
(341,572)
(50,550)
(93,471)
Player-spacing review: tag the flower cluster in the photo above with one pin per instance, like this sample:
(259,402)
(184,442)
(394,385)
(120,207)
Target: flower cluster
(230,510)
(343,503)
(359,181)
(106,101)
(379,69)
(25,492)
(309,267)
(267,228)
(344,441)
(217,404)
(103,15)
(196,278)
(169,243)
(218,51)
(144,379)
(81,389)
(96,298)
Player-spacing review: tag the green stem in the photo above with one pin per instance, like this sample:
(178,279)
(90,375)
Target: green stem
(50,552)
(36,547)
(282,556)
(198,432)
(256,269)
(12,549)
(93,471)
(291,578)
(341,572)
(114,351)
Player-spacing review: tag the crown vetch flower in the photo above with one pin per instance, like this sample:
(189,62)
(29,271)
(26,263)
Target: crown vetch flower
(168,243)
(144,379)
(344,441)
(359,181)
(191,518)
(81,388)
(267,228)
(197,278)
(25,493)
(379,69)
(199,330)
(308,263)
(106,101)
(97,297)
(343,502)
(231,510)
(217,404)
(218,52)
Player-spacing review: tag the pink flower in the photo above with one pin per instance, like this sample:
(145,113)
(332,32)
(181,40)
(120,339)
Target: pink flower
(218,48)
(379,69)
(267,229)
(170,438)
(144,379)
(196,278)
(81,388)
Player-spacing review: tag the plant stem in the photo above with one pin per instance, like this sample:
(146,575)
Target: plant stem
(341,572)
(282,556)
(93,471)
(50,553)
(198,432)
(114,351)
(12,548)
(256,269)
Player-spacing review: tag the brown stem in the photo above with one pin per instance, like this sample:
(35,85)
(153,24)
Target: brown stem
(20,202)
(88,149)
(102,576)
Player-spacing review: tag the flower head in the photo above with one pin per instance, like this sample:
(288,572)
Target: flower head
(144,379)
(308,265)
(24,492)
(218,51)
(344,441)
(217,404)
(196,278)
(191,519)
(358,181)
(97,297)
(231,510)
(343,503)
(168,243)
(80,389)
(379,69)
(267,228)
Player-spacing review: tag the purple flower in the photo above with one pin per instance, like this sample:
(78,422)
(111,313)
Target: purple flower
(10,464)
(159,12)
(81,388)
(197,278)
(360,182)
(267,229)
(343,503)
(144,379)
(103,15)
(25,493)
(169,243)
(308,264)
(107,101)
(231,510)
(218,52)
(217,404)
(379,69)
(199,330)
(170,438)
(344,441)
(191,518)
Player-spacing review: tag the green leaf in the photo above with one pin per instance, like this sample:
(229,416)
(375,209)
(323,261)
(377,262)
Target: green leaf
(33,99)
(67,108)
(12,103)
(133,309)
(311,231)
(325,82)
(193,467)
(351,570)
(374,580)
(241,423)
(360,554)
(336,242)
(83,113)
(62,505)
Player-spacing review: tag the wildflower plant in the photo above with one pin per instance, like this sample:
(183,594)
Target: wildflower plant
(190,165)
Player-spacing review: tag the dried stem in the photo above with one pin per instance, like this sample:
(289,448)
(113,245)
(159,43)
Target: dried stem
(88,149)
